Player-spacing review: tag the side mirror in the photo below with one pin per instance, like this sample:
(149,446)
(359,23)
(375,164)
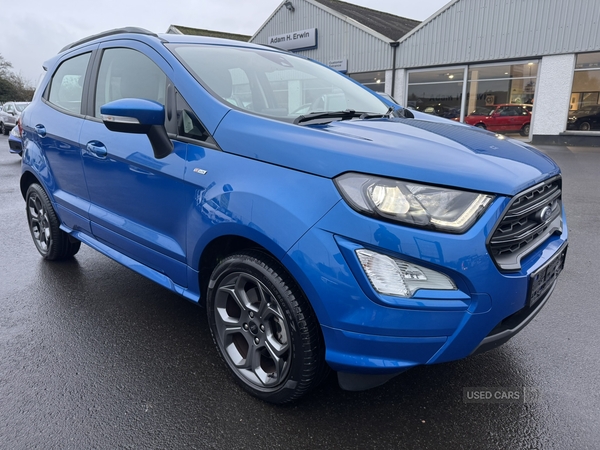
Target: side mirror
(139,116)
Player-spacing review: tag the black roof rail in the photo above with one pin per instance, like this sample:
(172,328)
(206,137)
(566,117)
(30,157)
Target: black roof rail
(134,30)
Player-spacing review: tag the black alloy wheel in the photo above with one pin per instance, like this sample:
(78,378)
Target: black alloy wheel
(585,126)
(264,328)
(49,239)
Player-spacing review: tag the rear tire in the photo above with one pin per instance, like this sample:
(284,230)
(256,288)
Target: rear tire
(585,126)
(264,328)
(482,126)
(525,130)
(52,243)
(3,129)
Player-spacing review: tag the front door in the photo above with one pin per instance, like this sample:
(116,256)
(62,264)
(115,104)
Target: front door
(138,204)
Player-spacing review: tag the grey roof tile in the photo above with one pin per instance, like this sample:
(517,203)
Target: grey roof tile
(391,26)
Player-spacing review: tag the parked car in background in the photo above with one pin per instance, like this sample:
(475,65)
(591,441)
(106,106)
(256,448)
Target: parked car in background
(350,237)
(503,118)
(9,114)
(442,111)
(584,119)
(15,144)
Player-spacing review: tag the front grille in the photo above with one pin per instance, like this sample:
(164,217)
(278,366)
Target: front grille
(531,217)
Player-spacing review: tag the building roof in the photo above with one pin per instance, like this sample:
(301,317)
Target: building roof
(394,27)
(470,31)
(178,29)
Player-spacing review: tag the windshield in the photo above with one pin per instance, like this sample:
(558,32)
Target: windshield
(273,84)
(589,109)
(483,110)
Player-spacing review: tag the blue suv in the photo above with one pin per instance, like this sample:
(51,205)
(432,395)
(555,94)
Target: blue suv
(321,227)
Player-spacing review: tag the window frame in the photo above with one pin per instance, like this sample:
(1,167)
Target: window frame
(94,87)
(85,87)
(172,93)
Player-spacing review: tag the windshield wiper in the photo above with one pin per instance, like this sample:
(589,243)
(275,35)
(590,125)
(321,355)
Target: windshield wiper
(388,114)
(342,115)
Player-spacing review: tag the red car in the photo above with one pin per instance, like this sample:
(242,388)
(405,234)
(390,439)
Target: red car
(504,118)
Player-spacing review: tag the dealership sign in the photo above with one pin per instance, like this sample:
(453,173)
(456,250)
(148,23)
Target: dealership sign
(297,40)
(341,65)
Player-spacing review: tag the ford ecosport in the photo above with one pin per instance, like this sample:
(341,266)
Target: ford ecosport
(322,227)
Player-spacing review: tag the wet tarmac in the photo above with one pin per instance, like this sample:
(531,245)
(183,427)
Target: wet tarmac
(93,355)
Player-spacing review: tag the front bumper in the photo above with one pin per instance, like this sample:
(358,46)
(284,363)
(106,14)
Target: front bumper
(371,334)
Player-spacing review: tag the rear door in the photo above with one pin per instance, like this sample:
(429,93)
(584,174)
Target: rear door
(54,126)
(520,117)
(138,203)
(502,119)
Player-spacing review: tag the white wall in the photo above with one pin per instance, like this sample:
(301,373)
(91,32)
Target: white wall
(388,82)
(400,87)
(552,95)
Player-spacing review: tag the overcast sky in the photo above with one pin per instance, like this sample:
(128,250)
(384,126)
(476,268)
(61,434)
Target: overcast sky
(35,30)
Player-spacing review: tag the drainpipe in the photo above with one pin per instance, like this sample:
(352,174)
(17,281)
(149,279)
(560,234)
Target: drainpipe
(394,45)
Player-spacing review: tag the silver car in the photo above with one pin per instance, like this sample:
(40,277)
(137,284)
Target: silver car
(9,114)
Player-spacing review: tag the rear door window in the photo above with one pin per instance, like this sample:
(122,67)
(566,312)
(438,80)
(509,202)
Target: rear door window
(66,87)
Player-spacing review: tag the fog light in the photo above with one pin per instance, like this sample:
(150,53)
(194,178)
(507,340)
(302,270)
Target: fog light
(391,276)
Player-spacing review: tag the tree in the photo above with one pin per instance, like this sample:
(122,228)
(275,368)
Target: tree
(13,87)
(4,65)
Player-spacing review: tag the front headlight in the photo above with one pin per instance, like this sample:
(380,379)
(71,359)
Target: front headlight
(419,205)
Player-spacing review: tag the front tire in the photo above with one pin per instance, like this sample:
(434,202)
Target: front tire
(264,328)
(525,130)
(3,129)
(52,243)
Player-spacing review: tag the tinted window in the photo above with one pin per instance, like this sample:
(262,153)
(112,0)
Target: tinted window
(127,73)
(66,87)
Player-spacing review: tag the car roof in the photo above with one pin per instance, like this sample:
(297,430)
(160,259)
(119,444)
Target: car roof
(141,33)
(149,37)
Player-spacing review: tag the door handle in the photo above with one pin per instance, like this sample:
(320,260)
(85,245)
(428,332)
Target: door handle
(40,130)
(96,148)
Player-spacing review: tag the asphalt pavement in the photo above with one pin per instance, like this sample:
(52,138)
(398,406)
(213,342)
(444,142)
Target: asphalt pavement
(93,355)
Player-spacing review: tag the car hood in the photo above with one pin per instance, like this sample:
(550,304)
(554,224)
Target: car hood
(581,113)
(436,151)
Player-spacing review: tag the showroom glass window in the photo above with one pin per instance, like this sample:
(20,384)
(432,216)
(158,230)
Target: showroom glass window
(373,80)
(437,92)
(584,107)
(66,87)
(499,84)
